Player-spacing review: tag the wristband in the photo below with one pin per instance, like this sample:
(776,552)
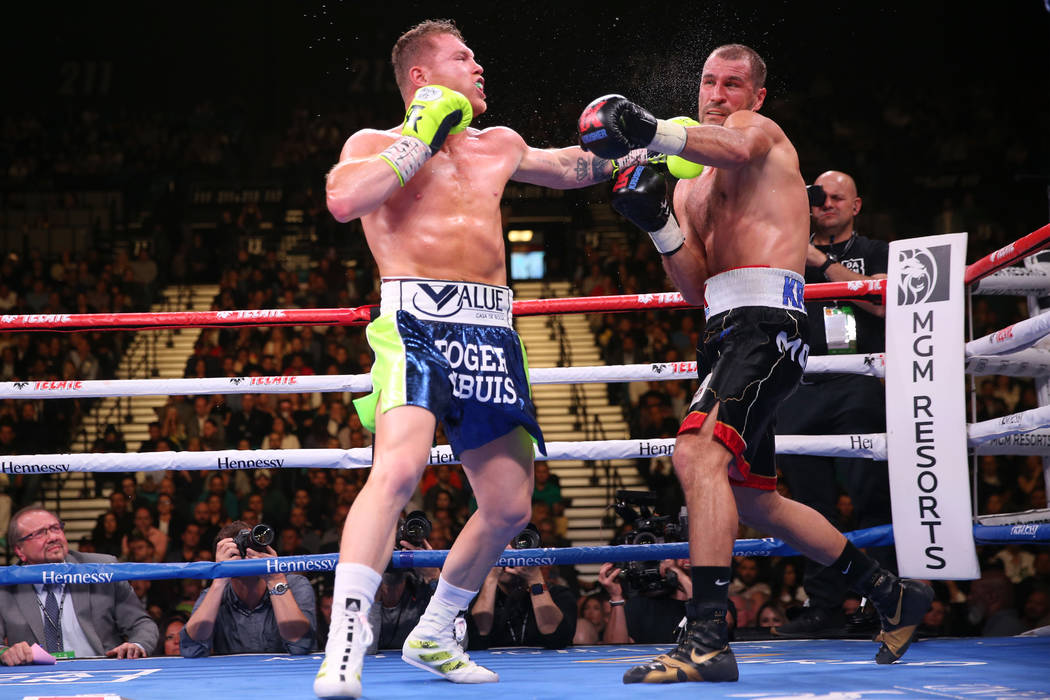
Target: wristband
(639,156)
(670,137)
(617,603)
(669,239)
(406,156)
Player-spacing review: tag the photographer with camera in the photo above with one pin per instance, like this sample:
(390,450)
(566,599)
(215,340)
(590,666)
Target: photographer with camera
(404,594)
(517,607)
(273,613)
(647,597)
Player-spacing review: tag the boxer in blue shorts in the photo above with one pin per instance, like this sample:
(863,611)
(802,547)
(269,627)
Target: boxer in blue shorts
(449,347)
(738,247)
(428,192)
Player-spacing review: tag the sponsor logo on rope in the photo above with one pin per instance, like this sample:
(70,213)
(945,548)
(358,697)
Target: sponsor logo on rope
(1003,335)
(9,467)
(88,577)
(20,385)
(1002,253)
(1025,530)
(64,385)
(655,449)
(273,381)
(925,274)
(860,442)
(251,313)
(227,463)
(442,457)
(525,561)
(661,298)
(37,318)
(276,566)
(236,380)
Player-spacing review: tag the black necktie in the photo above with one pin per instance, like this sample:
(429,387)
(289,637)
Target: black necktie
(52,621)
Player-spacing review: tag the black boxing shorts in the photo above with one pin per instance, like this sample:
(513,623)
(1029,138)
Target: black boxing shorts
(753,353)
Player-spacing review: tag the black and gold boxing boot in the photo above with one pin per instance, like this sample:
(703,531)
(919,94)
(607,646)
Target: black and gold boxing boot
(901,604)
(702,655)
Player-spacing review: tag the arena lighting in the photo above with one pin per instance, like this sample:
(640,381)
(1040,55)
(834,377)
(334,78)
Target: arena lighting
(519,235)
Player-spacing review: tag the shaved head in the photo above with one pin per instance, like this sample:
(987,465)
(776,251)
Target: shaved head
(842,179)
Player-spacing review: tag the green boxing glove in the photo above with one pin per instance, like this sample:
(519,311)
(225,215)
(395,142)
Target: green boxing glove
(680,167)
(434,113)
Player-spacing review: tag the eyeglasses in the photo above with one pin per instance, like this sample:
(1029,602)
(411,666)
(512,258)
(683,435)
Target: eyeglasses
(49,530)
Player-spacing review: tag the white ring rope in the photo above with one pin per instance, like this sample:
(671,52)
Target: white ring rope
(872,446)
(873,365)
(1012,338)
(1026,363)
(1014,281)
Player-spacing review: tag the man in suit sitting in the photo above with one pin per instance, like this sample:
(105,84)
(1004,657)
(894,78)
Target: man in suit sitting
(89,619)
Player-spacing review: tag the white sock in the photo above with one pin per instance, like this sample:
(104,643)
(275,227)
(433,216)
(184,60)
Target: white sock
(445,604)
(354,582)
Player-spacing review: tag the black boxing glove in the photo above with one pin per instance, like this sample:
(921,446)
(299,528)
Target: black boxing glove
(611,126)
(640,196)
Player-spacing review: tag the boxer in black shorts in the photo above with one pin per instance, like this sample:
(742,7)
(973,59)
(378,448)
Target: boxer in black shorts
(752,358)
(740,252)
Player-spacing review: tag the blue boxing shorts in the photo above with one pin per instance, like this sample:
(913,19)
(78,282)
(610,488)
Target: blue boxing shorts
(752,356)
(450,347)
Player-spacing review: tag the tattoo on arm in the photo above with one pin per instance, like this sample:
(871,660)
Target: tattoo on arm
(601,169)
(582,171)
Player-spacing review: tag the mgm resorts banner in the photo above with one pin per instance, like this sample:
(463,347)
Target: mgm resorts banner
(925,409)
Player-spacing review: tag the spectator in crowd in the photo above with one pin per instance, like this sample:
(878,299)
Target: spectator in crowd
(189,544)
(144,525)
(273,613)
(91,619)
(172,627)
(515,607)
(991,605)
(547,487)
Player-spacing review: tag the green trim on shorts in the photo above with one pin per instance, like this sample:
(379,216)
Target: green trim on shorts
(525,363)
(388,371)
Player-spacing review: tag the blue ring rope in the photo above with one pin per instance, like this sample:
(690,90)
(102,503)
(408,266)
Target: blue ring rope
(1033,533)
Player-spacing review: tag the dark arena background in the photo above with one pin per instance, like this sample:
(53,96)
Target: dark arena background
(161,157)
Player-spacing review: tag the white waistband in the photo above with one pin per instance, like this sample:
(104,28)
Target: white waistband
(754,286)
(448,301)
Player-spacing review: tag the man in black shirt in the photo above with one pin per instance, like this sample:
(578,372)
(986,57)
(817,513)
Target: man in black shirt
(515,607)
(828,404)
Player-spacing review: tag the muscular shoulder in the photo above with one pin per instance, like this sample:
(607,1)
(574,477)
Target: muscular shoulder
(745,119)
(367,142)
(500,136)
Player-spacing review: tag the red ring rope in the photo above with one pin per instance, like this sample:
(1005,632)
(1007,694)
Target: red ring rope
(870,290)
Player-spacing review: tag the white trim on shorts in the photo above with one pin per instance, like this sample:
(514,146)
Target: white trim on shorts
(754,286)
(448,301)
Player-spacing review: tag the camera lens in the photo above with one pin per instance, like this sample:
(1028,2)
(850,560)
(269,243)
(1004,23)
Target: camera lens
(529,538)
(262,536)
(416,528)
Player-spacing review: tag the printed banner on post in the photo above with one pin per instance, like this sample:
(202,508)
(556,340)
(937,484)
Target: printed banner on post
(925,409)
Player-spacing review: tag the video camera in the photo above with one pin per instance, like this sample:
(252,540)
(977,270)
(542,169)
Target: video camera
(648,528)
(258,538)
